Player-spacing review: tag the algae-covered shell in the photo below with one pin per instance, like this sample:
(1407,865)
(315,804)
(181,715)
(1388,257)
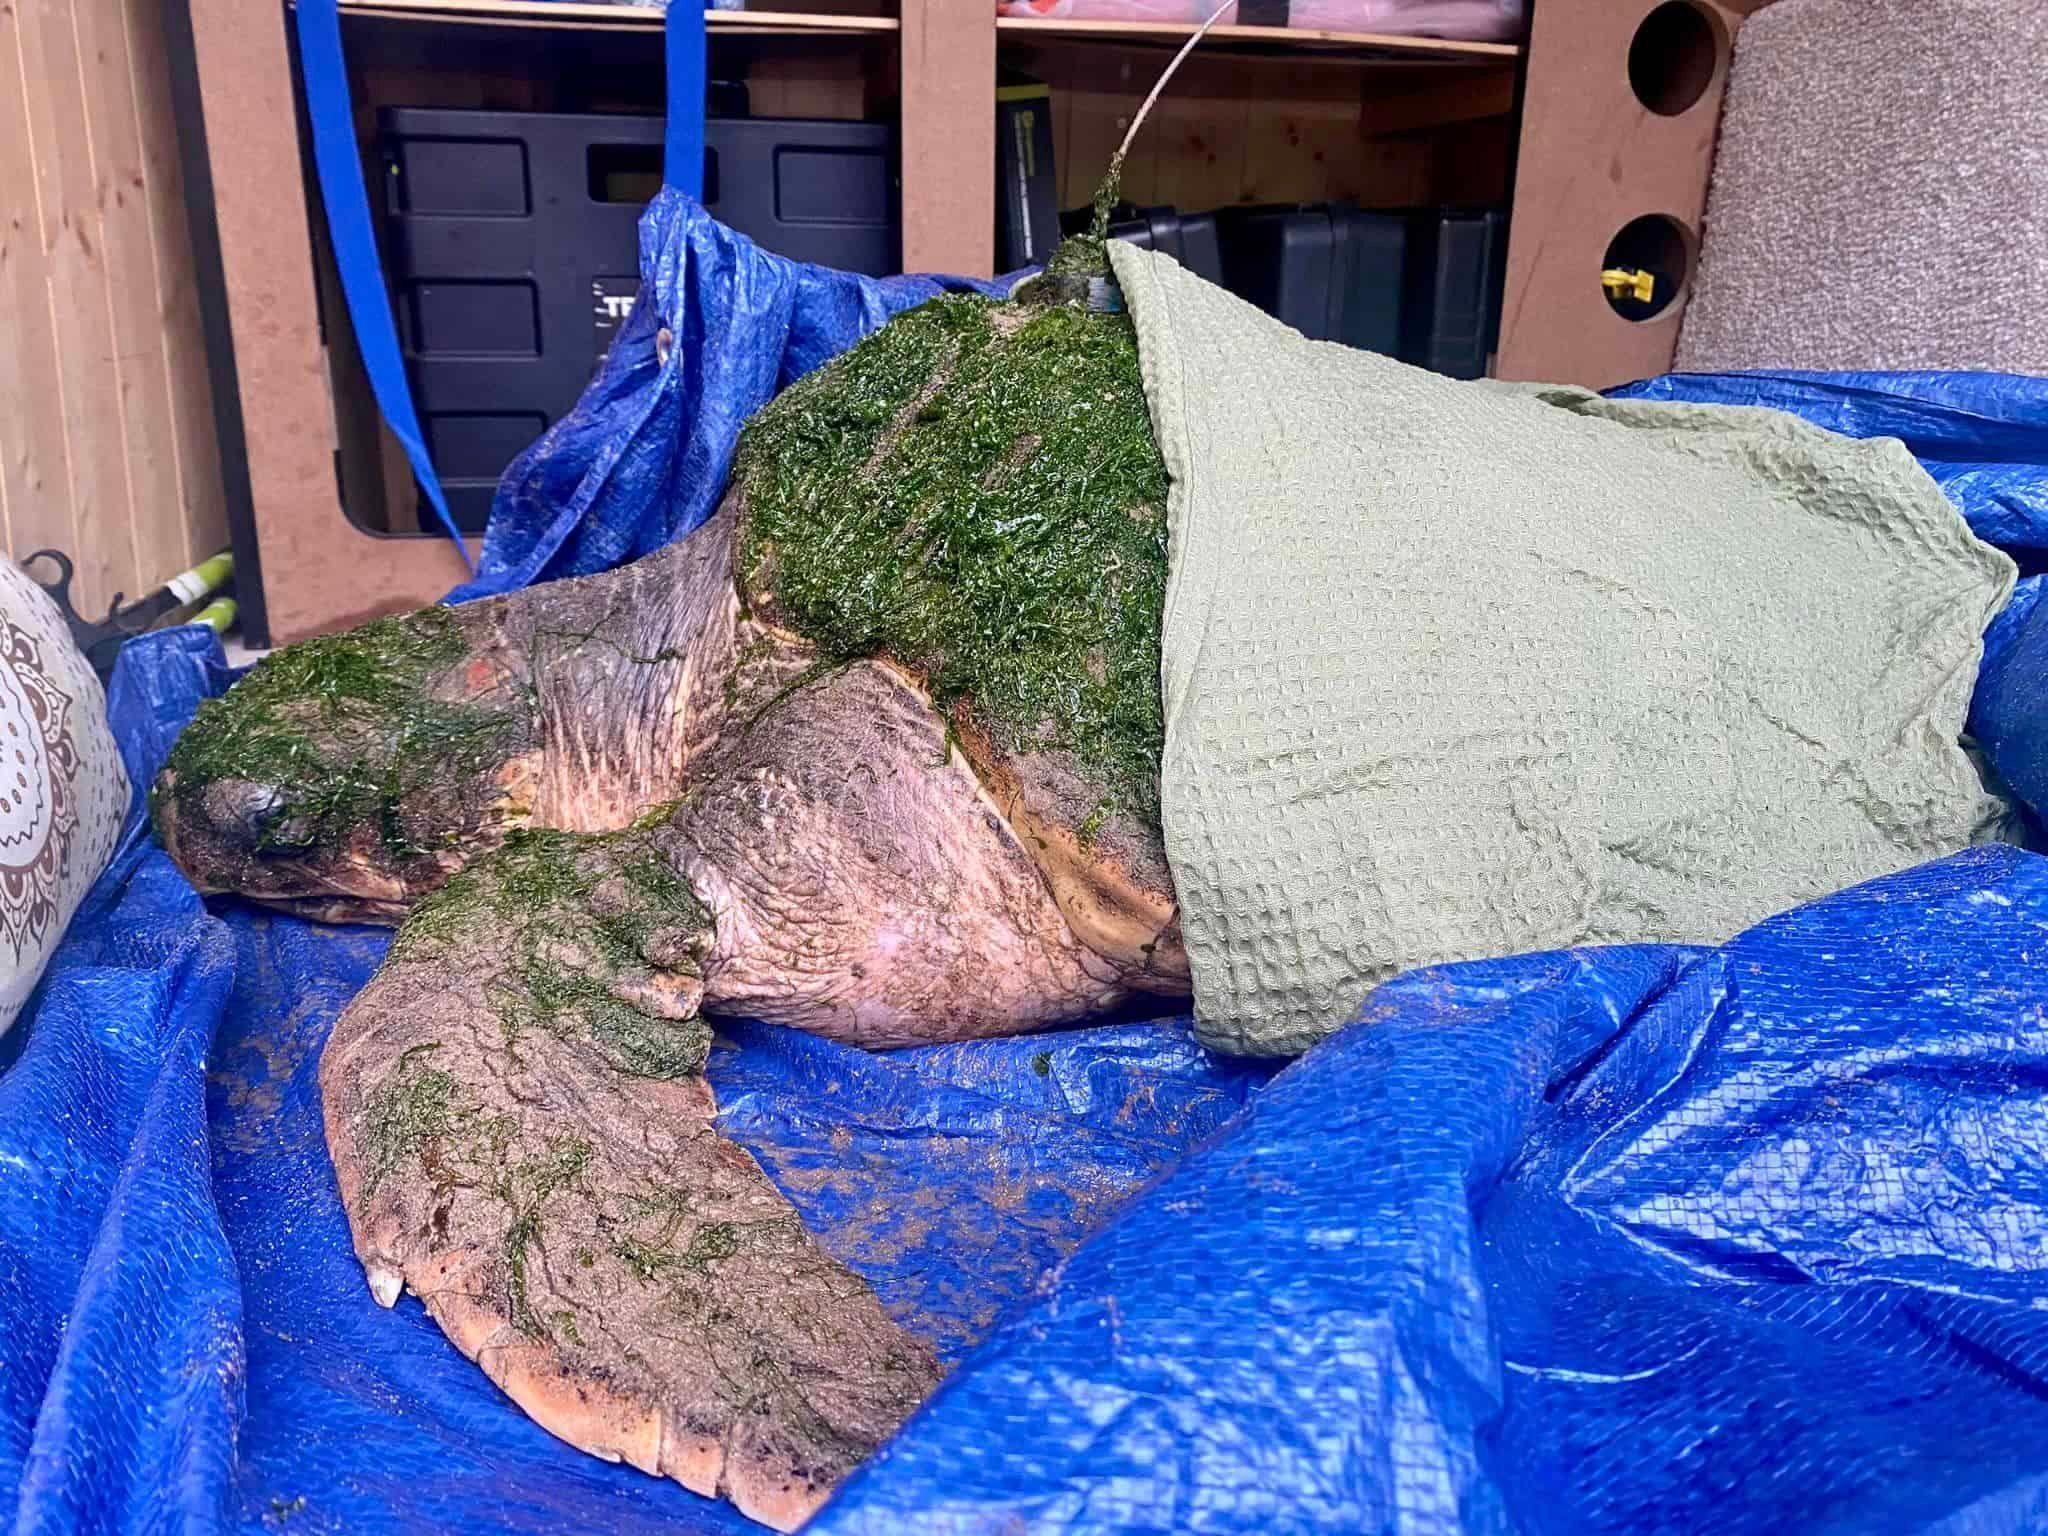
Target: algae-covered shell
(974,493)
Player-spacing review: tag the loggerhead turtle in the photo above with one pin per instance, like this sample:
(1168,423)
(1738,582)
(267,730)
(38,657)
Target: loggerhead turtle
(872,753)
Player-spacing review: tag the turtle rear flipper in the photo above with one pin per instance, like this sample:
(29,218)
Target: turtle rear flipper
(522,1131)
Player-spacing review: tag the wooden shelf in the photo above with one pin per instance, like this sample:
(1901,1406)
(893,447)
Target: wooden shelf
(574,13)
(1282,39)
(579,13)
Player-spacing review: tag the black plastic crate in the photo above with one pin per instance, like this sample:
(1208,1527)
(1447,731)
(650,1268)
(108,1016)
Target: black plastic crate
(514,256)
(1189,238)
(1422,285)
(1457,262)
(1027,178)
(1333,272)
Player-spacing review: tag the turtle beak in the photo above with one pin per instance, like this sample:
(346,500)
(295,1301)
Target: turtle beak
(238,836)
(229,826)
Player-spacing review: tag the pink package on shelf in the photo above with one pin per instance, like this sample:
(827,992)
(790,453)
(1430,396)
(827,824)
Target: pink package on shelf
(1467,20)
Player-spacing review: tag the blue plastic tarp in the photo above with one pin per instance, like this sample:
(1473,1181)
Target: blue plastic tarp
(1752,1238)
(1625,1241)
(189,1342)
(1633,1240)
(641,460)
(1982,436)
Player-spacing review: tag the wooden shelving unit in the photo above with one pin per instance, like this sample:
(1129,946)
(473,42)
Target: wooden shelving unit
(1378,45)
(1297,126)
(1099,64)
(572,13)
(1259,114)
(576,13)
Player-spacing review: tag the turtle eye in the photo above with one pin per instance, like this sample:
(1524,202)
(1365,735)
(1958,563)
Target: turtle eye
(256,818)
(281,835)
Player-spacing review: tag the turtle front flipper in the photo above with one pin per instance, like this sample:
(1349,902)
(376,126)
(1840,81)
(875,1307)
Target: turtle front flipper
(522,1132)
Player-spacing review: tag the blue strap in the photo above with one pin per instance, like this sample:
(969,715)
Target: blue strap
(683,161)
(347,200)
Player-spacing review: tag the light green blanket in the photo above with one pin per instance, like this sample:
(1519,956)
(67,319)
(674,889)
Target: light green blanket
(1458,670)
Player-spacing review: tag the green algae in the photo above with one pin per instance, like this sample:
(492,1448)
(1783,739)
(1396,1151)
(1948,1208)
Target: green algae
(1080,256)
(524,1189)
(346,728)
(421,1114)
(420,1109)
(569,920)
(983,502)
(642,1047)
(581,914)
(415,1106)
(659,1241)
(659,1257)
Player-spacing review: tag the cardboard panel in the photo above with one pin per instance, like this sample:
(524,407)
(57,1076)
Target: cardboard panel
(1592,158)
(949,137)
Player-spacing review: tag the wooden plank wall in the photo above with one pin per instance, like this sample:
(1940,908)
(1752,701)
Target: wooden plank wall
(107,447)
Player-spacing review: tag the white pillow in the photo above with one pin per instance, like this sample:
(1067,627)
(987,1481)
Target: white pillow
(63,791)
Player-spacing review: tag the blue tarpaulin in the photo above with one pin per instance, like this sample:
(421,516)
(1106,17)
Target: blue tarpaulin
(1625,1241)
(642,458)
(1749,1238)
(189,1342)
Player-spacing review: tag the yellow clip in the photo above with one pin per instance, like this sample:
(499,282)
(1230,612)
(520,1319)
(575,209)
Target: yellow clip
(1630,282)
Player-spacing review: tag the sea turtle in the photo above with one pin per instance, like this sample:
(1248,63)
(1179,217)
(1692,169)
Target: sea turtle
(874,753)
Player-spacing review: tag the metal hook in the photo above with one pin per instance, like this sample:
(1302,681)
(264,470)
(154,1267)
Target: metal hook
(101,639)
(81,627)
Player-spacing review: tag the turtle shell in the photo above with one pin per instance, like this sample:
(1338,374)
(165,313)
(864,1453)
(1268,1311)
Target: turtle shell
(974,494)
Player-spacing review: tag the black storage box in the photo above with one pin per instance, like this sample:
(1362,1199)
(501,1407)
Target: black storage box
(1189,238)
(1332,272)
(1457,263)
(513,251)
(1423,285)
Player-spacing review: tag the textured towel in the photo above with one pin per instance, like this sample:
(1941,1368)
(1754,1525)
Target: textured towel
(1880,194)
(1455,670)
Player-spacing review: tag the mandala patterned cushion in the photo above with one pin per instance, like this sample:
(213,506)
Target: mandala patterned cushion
(63,791)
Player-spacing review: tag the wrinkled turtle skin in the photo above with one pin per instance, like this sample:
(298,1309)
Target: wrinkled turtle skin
(872,753)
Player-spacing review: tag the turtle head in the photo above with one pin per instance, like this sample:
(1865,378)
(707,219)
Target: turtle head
(346,776)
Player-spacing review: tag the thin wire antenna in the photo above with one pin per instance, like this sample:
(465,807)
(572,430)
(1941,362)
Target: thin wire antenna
(1180,58)
(1112,180)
